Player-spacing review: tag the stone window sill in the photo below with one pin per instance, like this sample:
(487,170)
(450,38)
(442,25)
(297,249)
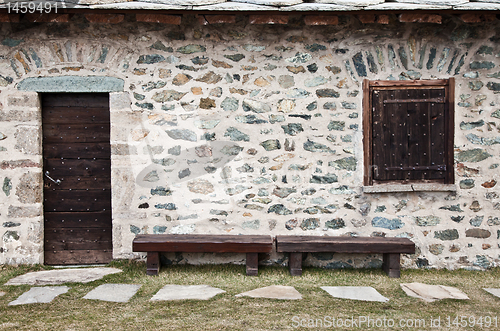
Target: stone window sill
(425,187)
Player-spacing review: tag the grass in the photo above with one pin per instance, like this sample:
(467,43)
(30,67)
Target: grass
(226,312)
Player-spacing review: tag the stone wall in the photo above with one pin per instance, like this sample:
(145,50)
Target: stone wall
(257,129)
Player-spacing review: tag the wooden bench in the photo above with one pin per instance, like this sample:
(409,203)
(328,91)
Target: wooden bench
(153,244)
(391,248)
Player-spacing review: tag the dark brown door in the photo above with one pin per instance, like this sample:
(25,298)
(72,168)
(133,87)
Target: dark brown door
(77,178)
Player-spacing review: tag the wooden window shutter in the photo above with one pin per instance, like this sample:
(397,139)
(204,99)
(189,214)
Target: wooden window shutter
(407,133)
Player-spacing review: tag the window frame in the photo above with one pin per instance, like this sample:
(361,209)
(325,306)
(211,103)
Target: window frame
(371,85)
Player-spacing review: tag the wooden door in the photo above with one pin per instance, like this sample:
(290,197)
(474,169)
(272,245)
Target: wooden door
(77,178)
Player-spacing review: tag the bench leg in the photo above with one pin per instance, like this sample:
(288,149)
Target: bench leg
(392,265)
(252,264)
(153,263)
(295,263)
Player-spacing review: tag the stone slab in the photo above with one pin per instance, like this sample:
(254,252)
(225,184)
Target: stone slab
(361,293)
(140,5)
(61,276)
(113,292)
(235,6)
(319,7)
(355,3)
(39,295)
(275,3)
(406,6)
(72,84)
(493,291)
(431,293)
(273,292)
(435,2)
(186,292)
(186,2)
(2,294)
(478,6)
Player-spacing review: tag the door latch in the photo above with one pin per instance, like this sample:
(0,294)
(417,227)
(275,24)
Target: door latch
(57,181)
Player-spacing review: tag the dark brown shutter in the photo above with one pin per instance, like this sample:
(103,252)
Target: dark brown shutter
(408,134)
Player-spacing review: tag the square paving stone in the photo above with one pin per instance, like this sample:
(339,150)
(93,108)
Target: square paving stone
(185,292)
(432,293)
(493,291)
(362,293)
(39,295)
(113,292)
(61,276)
(273,292)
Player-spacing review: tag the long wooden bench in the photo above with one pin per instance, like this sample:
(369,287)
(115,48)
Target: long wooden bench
(153,244)
(391,248)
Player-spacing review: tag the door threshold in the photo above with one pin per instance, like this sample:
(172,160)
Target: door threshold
(78,266)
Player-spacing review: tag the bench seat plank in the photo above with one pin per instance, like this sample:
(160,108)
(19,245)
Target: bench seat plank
(367,245)
(391,248)
(153,244)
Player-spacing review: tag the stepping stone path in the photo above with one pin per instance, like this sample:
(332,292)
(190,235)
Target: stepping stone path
(61,276)
(39,295)
(431,293)
(113,292)
(273,292)
(186,292)
(493,291)
(362,293)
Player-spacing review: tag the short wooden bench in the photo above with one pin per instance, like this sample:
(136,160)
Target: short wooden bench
(153,244)
(391,248)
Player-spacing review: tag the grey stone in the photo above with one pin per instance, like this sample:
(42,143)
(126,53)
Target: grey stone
(168,95)
(255,106)
(336,125)
(467,183)
(327,179)
(317,147)
(250,119)
(482,65)
(186,292)
(427,220)
(157,229)
(201,186)
(236,135)
(12,42)
(254,225)
(310,224)
(72,84)
(391,224)
(231,150)
(190,49)
(279,292)
(495,87)
(271,144)
(279,209)
(150,59)
(161,191)
(299,58)
(113,292)
(292,128)
(235,57)
(335,224)
(10,224)
(236,190)
(61,276)
(361,293)
(297,93)
(450,234)
(436,249)
(10,236)
(476,85)
(28,211)
(286,81)
(472,155)
(359,65)
(182,134)
(327,93)
(471,125)
(284,192)
(476,221)
(7,186)
(347,163)
(316,81)
(40,295)
(230,104)
(452,208)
